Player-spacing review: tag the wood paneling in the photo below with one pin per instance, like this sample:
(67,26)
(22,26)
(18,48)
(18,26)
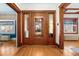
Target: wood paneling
(33,39)
(39,40)
(26,40)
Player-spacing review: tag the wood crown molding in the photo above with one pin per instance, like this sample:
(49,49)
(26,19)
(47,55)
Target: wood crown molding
(49,11)
(64,5)
(14,7)
(71,8)
(71,12)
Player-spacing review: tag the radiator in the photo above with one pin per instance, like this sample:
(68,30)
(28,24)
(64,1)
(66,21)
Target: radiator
(71,37)
(4,37)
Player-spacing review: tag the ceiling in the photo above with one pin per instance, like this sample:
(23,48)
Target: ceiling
(74,6)
(37,6)
(5,9)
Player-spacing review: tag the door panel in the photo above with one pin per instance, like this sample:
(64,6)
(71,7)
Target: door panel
(39,28)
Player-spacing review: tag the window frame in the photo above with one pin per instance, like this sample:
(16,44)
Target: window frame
(76,24)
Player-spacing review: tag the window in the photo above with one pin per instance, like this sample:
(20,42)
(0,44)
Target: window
(50,24)
(38,26)
(70,25)
(7,26)
(26,26)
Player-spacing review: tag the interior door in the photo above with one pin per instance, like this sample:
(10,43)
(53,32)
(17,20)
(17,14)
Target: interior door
(38,28)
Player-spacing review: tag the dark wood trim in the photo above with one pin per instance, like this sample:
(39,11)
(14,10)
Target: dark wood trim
(14,7)
(71,8)
(29,11)
(22,28)
(54,27)
(19,29)
(61,34)
(71,12)
(61,20)
(64,5)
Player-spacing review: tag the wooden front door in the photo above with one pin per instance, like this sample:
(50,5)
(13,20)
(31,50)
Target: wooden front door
(38,29)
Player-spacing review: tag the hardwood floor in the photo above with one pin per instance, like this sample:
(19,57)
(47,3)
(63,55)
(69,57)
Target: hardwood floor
(39,50)
(9,49)
(71,44)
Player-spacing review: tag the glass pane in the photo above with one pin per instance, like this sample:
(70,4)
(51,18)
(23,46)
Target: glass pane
(7,26)
(70,25)
(26,26)
(50,24)
(38,26)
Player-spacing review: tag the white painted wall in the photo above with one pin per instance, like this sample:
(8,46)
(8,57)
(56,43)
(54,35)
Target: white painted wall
(72,36)
(57,26)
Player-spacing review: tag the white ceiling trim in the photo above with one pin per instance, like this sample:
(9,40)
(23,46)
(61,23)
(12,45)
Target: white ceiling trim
(38,6)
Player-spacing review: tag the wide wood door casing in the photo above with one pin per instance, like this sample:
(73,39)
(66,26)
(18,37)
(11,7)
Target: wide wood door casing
(38,39)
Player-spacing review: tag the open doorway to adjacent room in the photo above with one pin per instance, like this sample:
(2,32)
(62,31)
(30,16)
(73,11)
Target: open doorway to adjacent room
(8,28)
(71,28)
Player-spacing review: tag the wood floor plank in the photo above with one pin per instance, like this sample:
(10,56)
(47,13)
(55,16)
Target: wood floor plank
(10,49)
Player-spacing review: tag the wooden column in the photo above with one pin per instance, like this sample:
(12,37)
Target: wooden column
(61,20)
(19,29)
(61,34)
(54,27)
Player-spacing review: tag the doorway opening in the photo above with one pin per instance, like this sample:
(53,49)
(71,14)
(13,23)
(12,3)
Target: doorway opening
(71,28)
(8,26)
